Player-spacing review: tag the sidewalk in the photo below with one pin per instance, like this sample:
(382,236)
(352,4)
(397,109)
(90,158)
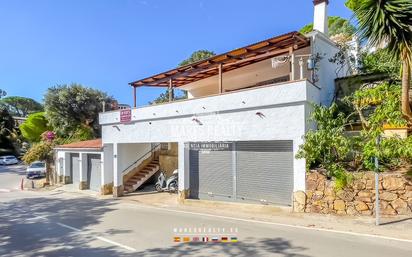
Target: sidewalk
(396,227)
(392,227)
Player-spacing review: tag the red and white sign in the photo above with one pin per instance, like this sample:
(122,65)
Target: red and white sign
(125,115)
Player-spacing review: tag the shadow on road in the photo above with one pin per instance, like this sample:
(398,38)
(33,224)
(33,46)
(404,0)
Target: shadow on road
(246,248)
(22,232)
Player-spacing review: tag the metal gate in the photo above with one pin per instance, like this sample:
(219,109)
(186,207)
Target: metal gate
(250,171)
(75,169)
(264,171)
(210,172)
(94,171)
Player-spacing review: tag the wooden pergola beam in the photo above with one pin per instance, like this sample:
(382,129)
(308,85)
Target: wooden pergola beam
(238,57)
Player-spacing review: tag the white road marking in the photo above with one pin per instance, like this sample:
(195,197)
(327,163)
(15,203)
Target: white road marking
(118,244)
(278,224)
(4,190)
(37,217)
(131,249)
(98,237)
(68,227)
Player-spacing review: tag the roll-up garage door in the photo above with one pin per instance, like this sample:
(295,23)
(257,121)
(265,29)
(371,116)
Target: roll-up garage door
(75,169)
(246,171)
(264,171)
(211,175)
(94,171)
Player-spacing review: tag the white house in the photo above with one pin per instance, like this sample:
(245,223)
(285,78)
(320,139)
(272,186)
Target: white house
(81,164)
(236,136)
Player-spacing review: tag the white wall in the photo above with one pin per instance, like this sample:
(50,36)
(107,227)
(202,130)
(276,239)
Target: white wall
(228,117)
(327,71)
(243,77)
(129,153)
(107,164)
(125,154)
(59,156)
(65,154)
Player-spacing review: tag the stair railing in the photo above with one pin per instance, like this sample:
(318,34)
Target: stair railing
(133,165)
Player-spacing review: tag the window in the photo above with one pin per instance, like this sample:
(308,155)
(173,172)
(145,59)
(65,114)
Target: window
(164,146)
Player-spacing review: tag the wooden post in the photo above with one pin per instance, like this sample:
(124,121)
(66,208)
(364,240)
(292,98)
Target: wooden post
(220,78)
(134,97)
(170,90)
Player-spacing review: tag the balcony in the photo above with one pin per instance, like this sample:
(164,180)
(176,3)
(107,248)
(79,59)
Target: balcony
(228,116)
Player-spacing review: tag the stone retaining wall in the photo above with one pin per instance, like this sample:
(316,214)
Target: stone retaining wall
(358,198)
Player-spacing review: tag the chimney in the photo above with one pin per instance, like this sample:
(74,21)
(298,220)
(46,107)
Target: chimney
(320,22)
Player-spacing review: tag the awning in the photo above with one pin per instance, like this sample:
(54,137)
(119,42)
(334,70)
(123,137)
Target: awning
(228,61)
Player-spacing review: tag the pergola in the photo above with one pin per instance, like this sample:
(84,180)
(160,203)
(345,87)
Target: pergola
(219,64)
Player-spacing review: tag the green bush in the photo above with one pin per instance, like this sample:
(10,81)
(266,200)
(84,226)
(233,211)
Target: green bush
(327,146)
(331,148)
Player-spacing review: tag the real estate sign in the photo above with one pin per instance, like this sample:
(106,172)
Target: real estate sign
(125,115)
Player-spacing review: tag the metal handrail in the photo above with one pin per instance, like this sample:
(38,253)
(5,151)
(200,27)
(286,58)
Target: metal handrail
(140,158)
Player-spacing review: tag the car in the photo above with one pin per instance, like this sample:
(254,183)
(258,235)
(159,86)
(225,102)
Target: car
(36,169)
(8,160)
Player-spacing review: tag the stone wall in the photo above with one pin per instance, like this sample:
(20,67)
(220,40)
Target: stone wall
(358,198)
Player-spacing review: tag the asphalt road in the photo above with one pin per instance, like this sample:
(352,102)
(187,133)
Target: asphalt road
(67,224)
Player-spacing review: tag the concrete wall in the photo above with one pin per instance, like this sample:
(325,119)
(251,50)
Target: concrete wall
(245,76)
(129,153)
(64,171)
(168,159)
(327,71)
(124,155)
(228,117)
(107,177)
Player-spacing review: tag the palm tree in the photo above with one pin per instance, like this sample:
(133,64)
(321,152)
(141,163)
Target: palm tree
(389,22)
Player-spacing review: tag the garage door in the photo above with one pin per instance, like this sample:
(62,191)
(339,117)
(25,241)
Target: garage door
(75,169)
(94,171)
(211,174)
(264,171)
(247,171)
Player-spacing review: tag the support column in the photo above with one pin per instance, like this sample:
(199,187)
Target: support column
(117,175)
(107,170)
(83,171)
(220,78)
(67,177)
(292,64)
(183,167)
(134,97)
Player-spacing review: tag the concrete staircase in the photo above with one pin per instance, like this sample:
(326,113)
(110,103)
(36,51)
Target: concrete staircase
(141,176)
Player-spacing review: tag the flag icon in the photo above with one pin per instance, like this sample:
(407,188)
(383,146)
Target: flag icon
(215,239)
(176,239)
(195,239)
(224,239)
(186,239)
(233,239)
(205,239)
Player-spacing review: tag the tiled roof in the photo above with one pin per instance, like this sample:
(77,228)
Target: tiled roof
(95,143)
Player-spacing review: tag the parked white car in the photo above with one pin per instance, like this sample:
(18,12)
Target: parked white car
(8,160)
(36,169)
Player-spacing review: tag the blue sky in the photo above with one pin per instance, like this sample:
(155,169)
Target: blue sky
(105,44)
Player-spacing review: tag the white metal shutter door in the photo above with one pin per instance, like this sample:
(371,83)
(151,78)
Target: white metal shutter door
(211,174)
(94,171)
(264,171)
(75,169)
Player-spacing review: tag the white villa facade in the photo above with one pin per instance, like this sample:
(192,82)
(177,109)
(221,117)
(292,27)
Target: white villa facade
(238,132)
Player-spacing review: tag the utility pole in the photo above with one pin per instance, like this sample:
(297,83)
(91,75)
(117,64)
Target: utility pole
(377,207)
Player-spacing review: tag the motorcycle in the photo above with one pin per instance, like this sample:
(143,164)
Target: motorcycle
(167,185)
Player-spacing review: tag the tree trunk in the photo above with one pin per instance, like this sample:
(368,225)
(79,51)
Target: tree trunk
(406,83)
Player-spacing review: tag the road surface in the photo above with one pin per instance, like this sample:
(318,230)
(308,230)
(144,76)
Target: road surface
(67,224)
